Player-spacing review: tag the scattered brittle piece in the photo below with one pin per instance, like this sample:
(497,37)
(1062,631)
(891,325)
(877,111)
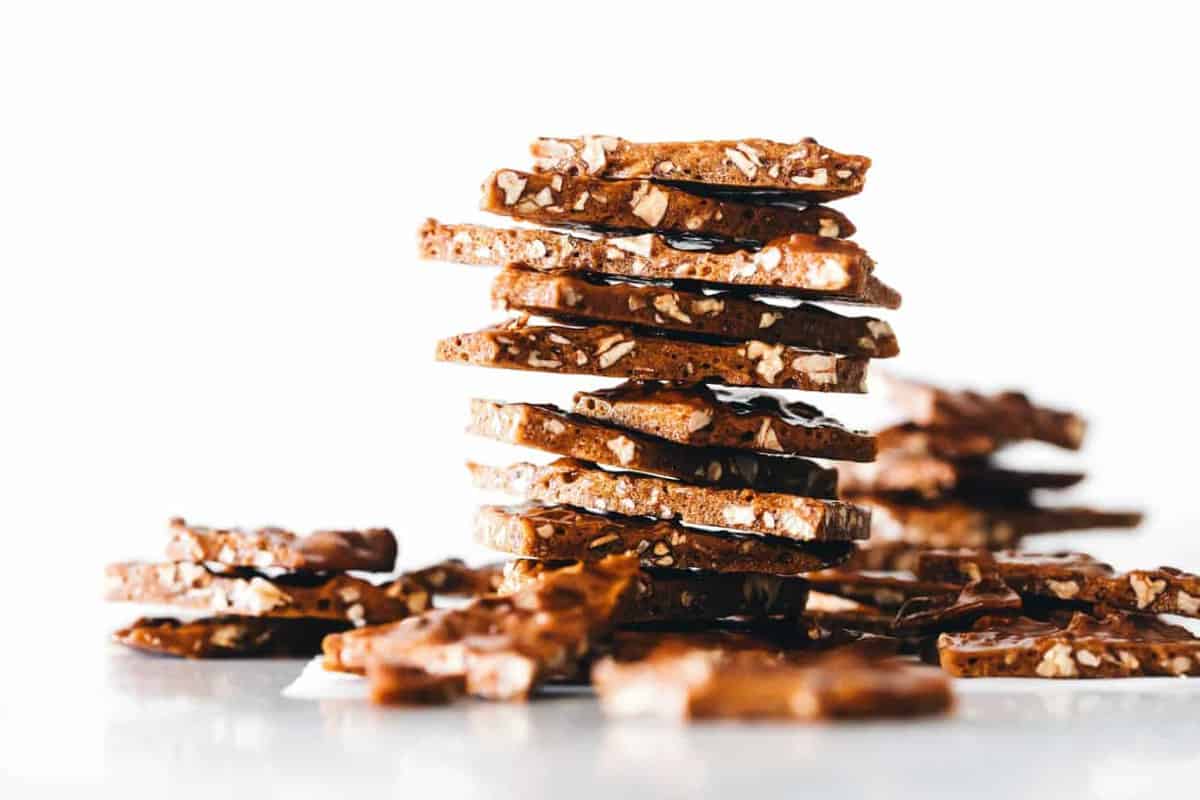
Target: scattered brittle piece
(1113,646)
(570,482)
(1073,577)
(805,169)
(639,205)
(680,680)
(684,596)
(573,299)
(933,477)
(503,648)
(229,636)
(953,523)
(625,353)
(246,592)
(370,550)
(557,533)
(1008,416)
(800,265)
(547,428)
(709,416)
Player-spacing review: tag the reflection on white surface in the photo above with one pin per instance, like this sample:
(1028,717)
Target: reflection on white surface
(1163,687)
(196,727)
(317,683)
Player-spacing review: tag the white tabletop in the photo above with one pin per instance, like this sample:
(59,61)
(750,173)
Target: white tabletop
(148,726)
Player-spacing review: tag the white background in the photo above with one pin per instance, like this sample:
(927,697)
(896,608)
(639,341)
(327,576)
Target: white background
(211,304)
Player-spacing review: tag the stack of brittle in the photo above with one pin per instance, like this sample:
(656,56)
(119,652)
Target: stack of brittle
(687,270)
(936,482)
(942,570)
(704,543)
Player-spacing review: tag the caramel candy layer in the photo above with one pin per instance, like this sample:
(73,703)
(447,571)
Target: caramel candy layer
(683,596)
(556,199)
(557,533)
(1009,416)
(803,169)
(248,593)
(624,353)
(720,417)
(681,681)
(800,266)
(574,299)
(1115,646)
(951,523)
(922,616)
(371,550)
(1073,577)
(582,485)
(547,428)
(502,647)
(229,637)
